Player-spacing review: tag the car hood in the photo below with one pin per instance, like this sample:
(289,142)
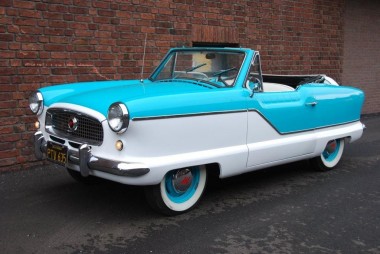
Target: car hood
(142,99)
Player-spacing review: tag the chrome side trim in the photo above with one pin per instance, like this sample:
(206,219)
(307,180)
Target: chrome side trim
(232,112)
(187,115)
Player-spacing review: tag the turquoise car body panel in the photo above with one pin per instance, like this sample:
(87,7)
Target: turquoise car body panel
(95,95)
(287,112)
(150,99)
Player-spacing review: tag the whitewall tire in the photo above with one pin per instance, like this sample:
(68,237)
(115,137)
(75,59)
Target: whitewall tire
(179,191)
(330,157)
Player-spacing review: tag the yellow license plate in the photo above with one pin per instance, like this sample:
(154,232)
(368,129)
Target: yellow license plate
(56,153)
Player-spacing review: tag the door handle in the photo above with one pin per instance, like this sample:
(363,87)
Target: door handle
(312,104)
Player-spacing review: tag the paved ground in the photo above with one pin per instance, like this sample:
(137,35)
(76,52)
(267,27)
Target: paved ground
(287,209)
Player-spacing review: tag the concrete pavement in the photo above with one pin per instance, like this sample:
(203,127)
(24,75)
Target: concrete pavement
(287,209)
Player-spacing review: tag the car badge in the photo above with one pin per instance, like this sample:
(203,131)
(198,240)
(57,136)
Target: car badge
(72,124)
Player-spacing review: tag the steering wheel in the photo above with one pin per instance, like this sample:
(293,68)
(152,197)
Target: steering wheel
(220,73)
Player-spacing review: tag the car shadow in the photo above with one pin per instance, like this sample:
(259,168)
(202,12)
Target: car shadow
(129,201)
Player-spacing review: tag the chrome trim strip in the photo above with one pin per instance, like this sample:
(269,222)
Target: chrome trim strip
(187,115)
(257,54)
(166,58)
(74,158)
(72,112)
(49,129)
(235,111)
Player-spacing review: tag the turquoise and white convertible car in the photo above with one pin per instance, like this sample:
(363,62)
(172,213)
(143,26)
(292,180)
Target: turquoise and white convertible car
(202,111)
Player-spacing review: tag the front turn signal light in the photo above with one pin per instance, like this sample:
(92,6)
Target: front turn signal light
(119,145)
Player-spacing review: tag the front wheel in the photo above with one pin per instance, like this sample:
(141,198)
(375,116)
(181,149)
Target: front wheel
(330,157)
(179,191)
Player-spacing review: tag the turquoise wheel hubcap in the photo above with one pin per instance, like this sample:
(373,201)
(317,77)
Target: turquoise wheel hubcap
(182,180)
(331,150)
(181,184)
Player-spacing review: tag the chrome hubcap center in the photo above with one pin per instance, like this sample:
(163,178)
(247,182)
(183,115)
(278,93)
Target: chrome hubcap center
(182,180)
(331,146)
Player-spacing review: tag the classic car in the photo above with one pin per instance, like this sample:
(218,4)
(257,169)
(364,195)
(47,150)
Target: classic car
(201,111)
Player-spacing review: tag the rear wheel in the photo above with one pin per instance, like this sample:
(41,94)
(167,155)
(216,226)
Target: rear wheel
(179,191)
(330,157)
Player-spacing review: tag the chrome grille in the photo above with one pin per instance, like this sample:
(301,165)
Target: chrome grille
(87,129)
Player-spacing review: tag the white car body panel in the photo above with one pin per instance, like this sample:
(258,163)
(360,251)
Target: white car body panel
(209,139)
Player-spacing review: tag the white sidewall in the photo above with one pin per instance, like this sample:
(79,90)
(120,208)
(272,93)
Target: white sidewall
(179,207)
(334,162)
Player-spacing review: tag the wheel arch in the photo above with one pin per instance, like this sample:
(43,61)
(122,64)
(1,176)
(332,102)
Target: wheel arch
(213,170)
(347,139)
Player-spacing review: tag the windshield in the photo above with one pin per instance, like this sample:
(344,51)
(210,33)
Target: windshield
(219,68)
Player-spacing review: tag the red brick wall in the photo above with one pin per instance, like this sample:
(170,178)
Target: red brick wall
(361,65)
(58,41)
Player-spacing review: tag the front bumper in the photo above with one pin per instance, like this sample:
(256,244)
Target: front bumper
(87,161)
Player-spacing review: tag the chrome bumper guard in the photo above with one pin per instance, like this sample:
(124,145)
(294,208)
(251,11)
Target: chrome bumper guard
(39,145)
(87,161)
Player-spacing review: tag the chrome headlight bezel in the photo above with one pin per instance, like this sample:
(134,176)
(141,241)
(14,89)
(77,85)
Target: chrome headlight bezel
(118,117)
(36,103)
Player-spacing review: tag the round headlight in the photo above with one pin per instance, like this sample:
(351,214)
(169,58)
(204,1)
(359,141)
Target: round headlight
(118,117)
(36,103)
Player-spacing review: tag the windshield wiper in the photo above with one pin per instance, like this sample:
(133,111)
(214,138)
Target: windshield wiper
(195,67)
(189,70)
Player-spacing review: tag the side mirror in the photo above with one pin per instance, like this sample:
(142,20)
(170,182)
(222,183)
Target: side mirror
(254,85)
